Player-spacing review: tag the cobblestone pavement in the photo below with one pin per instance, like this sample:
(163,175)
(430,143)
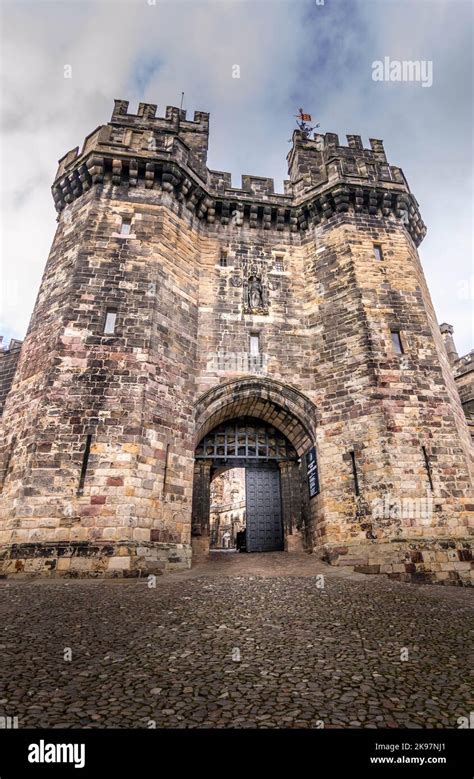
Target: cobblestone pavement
(241,641)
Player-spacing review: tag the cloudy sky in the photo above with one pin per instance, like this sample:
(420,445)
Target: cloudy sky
(306,53)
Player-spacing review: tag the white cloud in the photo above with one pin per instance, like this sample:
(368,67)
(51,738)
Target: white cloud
(289,54)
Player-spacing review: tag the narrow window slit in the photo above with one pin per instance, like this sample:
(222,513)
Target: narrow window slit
(165,472)
(354,473)
(428,467)
(85,461)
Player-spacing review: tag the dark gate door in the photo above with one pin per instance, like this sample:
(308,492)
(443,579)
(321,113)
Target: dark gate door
(264,525)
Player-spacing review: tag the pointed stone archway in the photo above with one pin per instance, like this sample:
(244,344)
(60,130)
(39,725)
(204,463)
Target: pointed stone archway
(276,406)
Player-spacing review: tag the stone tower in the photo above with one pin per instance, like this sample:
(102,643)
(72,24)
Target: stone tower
(184,325)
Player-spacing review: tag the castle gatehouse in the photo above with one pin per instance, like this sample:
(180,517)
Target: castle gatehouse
(185,326)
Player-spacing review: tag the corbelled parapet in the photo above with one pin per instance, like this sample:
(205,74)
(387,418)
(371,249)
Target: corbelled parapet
(327,177)
(142,150)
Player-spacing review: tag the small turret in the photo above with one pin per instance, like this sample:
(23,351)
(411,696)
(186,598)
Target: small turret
(447,333)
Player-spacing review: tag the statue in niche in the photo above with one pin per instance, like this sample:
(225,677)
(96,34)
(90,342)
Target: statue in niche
(255,293)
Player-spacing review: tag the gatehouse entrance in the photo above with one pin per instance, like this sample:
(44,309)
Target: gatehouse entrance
(267,429)
(238,483)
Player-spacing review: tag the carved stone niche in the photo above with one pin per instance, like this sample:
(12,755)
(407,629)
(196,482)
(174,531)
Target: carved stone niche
(255,294)
(251,274)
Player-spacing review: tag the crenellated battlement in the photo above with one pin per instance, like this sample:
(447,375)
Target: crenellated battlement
(221,181)
(328,142)
(147,111)
(158,130)
(145,134)
(312,161)
(170,153)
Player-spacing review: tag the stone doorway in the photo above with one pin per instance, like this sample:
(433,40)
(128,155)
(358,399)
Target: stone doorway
(247,489)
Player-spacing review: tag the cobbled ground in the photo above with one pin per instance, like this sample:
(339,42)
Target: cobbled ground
(241,641)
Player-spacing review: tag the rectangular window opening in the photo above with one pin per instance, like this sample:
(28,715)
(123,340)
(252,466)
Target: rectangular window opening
(110,321)
(85,462)
(279,263)
(125,227)
(354,474)
(378,251)
(254,344)
(396,341)
(428,467)
(223,259)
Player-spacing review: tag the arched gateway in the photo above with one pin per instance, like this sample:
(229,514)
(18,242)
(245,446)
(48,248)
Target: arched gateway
(267,428)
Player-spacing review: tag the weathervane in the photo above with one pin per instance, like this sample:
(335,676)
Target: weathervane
(302,122)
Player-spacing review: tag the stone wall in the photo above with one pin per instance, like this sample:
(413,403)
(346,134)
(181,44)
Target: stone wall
(8,362)
(463,372)
(99,429)
(124,390)
(464,378)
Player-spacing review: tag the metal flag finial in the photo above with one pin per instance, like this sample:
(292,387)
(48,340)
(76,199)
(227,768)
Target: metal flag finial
(302,120)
